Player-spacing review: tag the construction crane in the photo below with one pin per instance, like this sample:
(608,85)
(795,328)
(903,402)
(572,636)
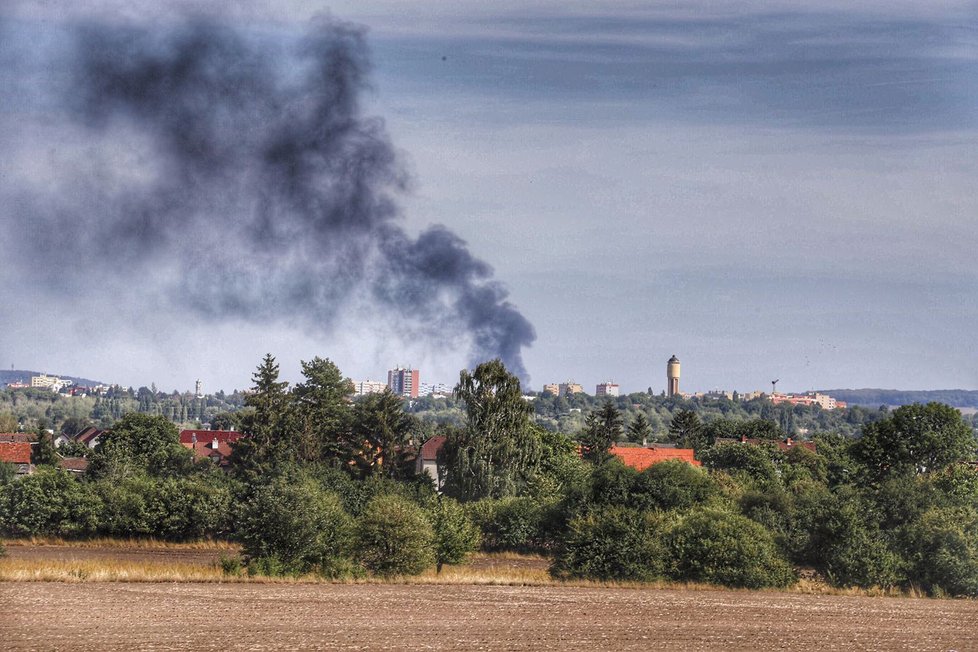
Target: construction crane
(774,387)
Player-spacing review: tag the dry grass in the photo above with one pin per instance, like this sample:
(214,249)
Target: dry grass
(130,544)
(493,569)
(21,570)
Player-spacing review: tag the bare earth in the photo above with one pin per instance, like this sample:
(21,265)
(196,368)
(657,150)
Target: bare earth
(106,616)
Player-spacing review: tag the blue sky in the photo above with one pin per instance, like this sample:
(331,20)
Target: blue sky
(769,190)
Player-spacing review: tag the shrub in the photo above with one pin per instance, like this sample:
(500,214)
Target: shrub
(455,534)
(672,484)
(393,537)
(943,552)
(293,527)
(48,502)
(230,565)
(509,524)
(847,546)
(719,547)
(612,482)
(190,508)
(612,543)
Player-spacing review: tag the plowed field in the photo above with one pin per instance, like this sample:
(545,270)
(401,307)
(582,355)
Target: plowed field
(102,616)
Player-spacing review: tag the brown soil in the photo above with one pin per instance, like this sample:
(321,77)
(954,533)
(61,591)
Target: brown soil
(103,616)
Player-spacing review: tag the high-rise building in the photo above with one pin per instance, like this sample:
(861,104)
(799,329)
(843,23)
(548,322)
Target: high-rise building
(672,377)
(404,382)
(570,387)
(606,389)
(552,388)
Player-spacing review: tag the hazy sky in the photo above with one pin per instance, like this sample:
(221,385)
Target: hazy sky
(767,190)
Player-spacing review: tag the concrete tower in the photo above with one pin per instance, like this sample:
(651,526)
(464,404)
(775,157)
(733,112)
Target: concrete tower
(672,377)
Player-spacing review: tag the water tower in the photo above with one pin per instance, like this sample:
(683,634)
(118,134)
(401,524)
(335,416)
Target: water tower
(672,377)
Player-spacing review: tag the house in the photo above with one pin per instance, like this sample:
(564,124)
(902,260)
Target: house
(90,436)
(214,445)
(427,460)
(74,465)
(642,458)
(17,453)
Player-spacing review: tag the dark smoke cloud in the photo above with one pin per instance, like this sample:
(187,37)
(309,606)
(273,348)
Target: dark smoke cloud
(259,190)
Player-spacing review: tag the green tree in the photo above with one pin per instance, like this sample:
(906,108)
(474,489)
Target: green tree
(455,536)
(639,429)
(323,411)
(48,502)
(265,423)
(749,463)
(393,537)
(497,451)
(384,431)
(293,526)
(914,439)
(602,428)
(612,543)
(672,484)
(140,443)
(686,430)
(43,451)
(719,547)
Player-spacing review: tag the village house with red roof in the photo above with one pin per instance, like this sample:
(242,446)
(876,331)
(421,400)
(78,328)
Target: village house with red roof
(214,445)
(17,453)
(640,458)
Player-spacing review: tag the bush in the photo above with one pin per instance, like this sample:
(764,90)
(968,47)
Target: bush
(190,508)
(513,524)
(230,565)
(292,526)
(672,484)
(612,543)
(393,537)
(48,502)
(612,483)
(455,534)
(943,552)
(847,546)
(719,547)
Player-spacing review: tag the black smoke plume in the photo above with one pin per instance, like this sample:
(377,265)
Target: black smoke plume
(258,188)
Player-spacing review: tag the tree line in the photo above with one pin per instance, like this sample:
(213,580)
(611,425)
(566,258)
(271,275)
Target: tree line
(325,484)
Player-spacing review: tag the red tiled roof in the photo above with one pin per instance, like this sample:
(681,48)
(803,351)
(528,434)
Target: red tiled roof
(642,458)
(16,437)
(223,436)
(15,452)
(205,448)
(429,450)
(76,464)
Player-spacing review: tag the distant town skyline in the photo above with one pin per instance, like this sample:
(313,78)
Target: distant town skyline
(768,189)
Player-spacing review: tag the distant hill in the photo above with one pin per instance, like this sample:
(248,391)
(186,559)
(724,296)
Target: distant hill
(960,398)
(22,375)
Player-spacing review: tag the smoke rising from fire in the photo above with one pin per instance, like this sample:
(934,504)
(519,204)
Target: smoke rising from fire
(254,186)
